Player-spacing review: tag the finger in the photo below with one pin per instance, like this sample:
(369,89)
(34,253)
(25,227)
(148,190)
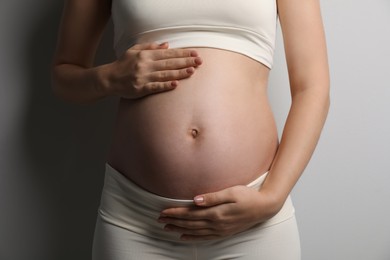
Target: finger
(196,232)
(177,63)
(188,213)
(149,46)
(167,75)
(215,198)
(163,45)
(173,53)
(157,87)
(188,224)
(219,213)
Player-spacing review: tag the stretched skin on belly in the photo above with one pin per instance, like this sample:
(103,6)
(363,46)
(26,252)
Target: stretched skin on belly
(214,131)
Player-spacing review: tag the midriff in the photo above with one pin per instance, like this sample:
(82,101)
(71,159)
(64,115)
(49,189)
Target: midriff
(215,130)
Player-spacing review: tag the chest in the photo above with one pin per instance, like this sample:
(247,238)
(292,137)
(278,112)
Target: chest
(144,15)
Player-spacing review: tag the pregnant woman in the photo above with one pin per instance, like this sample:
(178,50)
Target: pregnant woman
(195,169)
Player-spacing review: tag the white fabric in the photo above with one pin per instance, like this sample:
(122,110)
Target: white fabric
(247,27)
(127,228)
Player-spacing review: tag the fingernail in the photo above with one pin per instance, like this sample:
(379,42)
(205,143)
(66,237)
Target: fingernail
(190,70)
(199,199)
(198,61)
(163,43)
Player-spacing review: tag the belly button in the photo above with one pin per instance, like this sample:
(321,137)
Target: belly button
(194,133)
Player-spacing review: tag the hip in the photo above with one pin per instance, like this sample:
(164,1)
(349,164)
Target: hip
(126,205)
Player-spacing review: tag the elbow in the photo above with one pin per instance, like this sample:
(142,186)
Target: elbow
(326,95)
(323,99)
(317,94)
(328,101)
(57,84)
(54,83)
(322,96)
(326,104)
(60,86)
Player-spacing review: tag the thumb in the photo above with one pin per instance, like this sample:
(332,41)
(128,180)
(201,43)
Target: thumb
(214,198)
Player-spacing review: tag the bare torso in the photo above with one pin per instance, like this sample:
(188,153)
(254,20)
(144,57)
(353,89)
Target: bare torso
(215,130)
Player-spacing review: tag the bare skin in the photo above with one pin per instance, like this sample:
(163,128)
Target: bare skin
(214,131)
(197,121)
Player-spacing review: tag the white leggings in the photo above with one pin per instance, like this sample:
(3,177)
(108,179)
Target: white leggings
(127,229)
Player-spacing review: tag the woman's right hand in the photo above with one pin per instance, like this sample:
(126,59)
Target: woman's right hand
(150,68)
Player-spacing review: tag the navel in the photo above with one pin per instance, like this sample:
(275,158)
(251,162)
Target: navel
(194,132)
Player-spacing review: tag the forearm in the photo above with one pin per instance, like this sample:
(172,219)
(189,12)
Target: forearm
(301,133)
(78,84)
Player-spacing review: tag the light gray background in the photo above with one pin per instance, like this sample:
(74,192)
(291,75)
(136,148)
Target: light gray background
(52,153)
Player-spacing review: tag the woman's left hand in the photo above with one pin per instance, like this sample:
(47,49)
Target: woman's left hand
(220,214)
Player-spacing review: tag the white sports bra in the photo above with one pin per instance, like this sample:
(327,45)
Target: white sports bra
(247,27)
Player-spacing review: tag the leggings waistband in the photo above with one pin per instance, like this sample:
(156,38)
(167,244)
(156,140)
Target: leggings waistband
(125,204)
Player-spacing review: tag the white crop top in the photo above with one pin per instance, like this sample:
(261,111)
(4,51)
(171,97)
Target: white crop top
(243,26)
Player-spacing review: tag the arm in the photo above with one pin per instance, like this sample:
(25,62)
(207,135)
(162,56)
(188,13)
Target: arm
(307,63)
(73,77)
(238,208)
(144,68)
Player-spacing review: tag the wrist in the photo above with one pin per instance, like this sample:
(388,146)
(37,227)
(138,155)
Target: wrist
(273,199)
(103,80)
(277,188)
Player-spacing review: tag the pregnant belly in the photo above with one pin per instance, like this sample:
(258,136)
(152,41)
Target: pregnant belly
(215,130)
